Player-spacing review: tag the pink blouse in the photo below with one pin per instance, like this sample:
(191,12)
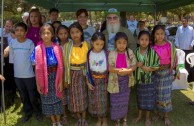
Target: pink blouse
(121,61)
(164,53)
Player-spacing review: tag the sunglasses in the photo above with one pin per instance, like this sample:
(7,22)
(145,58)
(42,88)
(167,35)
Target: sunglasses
(112,18)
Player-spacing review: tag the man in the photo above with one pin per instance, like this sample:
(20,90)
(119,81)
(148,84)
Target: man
(53,15)
(82,18)
(132,24)
(113,26)
(183,40)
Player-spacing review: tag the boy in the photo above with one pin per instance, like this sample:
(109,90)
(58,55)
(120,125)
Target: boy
(53,15)
(20,52)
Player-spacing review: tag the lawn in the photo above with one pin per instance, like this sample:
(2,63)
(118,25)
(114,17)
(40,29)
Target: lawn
(182,114)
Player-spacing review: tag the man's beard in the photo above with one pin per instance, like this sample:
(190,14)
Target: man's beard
(113,28)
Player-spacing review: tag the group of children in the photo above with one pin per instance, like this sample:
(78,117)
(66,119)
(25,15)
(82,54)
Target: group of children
(80,74)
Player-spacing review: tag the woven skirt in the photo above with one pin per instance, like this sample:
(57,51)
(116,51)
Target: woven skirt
(51,104)
(146,95)
(77,92)
(98,98)
(163,80)
(119,101)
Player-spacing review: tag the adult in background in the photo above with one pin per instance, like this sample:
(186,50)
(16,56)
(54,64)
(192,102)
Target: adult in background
(132,24)
(82,18)
(112,27)
(183,40)
(34,24)
(53,15)
(25,17)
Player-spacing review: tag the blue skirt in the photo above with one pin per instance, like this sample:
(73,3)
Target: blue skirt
(163,80)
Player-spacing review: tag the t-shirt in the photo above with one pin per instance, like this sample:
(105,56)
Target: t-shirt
(111,41)
(20,56)
(132,25)
(98,61)
(88,32)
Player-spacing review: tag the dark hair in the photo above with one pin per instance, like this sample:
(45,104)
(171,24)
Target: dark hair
(156,27)
(186,18)
(21,24)
(53,10)
(78,26)
(80,11)
(36,10)
(49,27)
(120,35)
(143,33)
(56,22)
(98,36)
(62,27)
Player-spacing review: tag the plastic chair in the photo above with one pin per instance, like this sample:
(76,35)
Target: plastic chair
(181,82)
(190,60)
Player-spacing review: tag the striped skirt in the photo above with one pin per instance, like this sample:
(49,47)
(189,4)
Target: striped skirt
(98,98)
(77,92)
(51,104)
(119,102)
(146,94)
(163,80)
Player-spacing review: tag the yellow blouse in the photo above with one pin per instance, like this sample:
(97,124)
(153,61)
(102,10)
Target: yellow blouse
(79,55)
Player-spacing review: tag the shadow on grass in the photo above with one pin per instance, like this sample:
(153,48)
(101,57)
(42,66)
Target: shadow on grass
(181,115)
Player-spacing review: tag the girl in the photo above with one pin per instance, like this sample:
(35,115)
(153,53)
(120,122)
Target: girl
(147,61)
(34,24)
(122,62)
(75,57)
(49,73)
(163,77)
(55,25)
(97,74)
(62,34)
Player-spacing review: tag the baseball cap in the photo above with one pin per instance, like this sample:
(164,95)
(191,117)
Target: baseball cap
(113,11)
(25,14)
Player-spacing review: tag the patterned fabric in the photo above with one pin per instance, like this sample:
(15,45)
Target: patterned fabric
(146,94)
(67,56)
(98,98)
(163,80)
(119,102)
(113,86)
(51,104)
(65,97)
(77,92)
(150,59)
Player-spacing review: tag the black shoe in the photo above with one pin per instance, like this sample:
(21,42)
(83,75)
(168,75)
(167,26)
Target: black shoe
(26,118)
(191,103)
(39,117)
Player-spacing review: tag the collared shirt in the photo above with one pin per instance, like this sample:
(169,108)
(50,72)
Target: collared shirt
(184,37)
(8,36)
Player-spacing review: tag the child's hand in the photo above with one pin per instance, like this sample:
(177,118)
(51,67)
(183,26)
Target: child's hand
(146,69)
(90,86)
(123,72)
(139,64)
(65,85)
(39,90)
(6,51)
(2,78)
(60,87)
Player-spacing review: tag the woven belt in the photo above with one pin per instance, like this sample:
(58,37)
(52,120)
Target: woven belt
(77,66)
(164,66)
(99,76)
(52,69)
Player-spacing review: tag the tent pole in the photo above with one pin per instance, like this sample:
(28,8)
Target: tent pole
(2,62)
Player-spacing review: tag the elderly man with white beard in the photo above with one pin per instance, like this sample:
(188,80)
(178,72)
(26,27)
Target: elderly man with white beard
(112,27)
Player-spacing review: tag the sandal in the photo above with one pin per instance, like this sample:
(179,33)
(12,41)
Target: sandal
(147,122)
(84,122)
(125,122)
(64,120)
(79,123)
(156,117)
(136,120)
(53,124)
(167,121)
(117,123)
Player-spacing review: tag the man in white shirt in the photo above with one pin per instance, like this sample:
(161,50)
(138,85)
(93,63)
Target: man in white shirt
(183,40)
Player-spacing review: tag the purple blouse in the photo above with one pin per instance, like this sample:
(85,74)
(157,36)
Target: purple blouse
(121,61)
(164,53)
(34,34)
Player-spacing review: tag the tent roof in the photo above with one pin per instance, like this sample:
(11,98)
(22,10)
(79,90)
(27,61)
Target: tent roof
(121,5)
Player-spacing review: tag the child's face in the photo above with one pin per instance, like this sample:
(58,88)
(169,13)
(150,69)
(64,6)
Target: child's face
(63,34)
(75,34)
(46,36)
(34,19)
(144,41)
(82,19)
(20,32)
(56,25)
(121,45)
(54,16)
(98,45)
(159,35)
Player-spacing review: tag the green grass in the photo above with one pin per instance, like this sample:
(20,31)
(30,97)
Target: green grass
(181,115)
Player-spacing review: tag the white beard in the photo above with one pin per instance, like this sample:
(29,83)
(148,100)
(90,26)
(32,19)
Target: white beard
(113,28)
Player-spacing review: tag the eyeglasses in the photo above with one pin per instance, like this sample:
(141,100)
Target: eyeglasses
(112,18)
